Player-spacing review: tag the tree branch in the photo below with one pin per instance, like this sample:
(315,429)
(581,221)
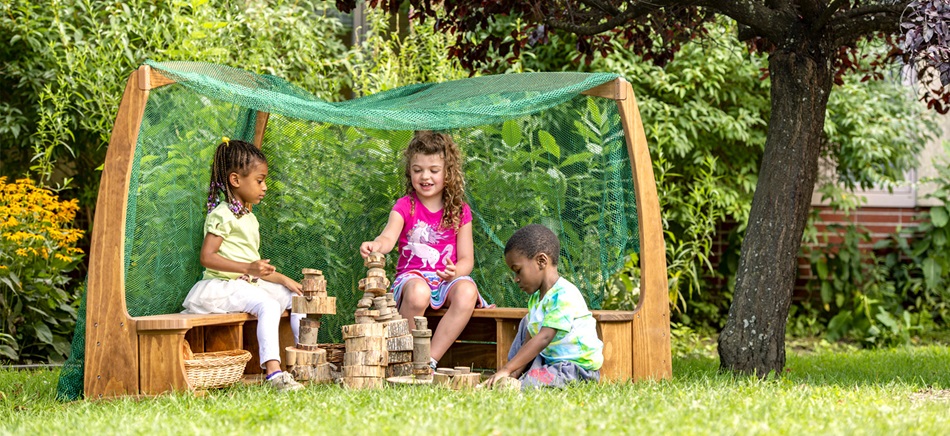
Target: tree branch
(633,11)
(827,14)
(763,21)
(851,25)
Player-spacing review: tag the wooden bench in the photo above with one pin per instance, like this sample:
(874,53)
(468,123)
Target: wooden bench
(127,355)
(485,341)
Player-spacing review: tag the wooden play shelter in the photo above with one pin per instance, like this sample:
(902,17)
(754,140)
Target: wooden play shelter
(562,149)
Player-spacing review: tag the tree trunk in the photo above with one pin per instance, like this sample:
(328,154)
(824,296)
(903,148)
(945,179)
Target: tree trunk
(753,339)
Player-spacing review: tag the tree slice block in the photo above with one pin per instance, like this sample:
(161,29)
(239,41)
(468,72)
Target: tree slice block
(441,379)
(312,321)
(463,369)
(396,327)
(365,320)
(375,285)
(376,272)
(384,318)
(421,352)
(369,357)
(297,356)
(311,271)
(401,357)
(317,284)
(364,303)
(421,334)
(464,381)
(362,382)
(447,371)
(307,347)
(366,312)
(360,330)
(380,303)
(308,333)
(315,294)
(316,305)
(313,374)
(365,343)
(421,322)
(399,343)
(364,371)
(375,260)
(399,370)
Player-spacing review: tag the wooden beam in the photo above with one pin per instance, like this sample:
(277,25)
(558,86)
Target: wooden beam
(149,78)
(614,90)
(651,323)
(111,358)
(260,126)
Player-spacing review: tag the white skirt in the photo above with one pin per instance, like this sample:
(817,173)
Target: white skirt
(224,296)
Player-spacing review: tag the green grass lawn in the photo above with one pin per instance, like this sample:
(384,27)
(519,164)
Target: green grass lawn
(896,391)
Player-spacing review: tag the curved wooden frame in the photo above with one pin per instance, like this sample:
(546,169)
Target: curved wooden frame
(114,354)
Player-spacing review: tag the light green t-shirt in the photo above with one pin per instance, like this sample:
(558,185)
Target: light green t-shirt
(563,309)
(242,238)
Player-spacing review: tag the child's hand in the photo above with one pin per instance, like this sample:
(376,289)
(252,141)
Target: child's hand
(261,268)
(502,373)
(368,247)
(449,272)
(293,285)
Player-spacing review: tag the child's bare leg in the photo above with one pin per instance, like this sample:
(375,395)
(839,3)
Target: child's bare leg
(461,303)
(271,366)
(414,300)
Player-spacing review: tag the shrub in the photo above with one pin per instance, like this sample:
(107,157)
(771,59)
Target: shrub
(37,250)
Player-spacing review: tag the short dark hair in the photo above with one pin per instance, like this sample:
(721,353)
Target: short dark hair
(533,239)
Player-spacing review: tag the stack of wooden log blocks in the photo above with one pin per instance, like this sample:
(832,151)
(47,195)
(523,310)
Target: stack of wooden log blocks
(306,361)
(421,340)
(366,364)
(456,378)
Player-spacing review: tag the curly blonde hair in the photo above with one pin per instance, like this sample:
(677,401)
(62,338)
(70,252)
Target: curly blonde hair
(429,143)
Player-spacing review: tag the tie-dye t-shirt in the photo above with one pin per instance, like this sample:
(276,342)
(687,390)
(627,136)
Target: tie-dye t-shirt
(423,245)
(563,309)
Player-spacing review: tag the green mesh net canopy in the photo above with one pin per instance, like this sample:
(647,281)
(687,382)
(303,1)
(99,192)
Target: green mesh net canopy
(535,150)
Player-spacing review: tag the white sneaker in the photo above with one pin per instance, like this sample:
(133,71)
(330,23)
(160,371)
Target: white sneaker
(284,382)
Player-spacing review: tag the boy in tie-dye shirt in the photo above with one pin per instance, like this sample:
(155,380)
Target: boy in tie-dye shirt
(557,341)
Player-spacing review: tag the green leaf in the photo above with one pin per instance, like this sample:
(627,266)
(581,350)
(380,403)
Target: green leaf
(932,271)
(822,267)
(938,215)
(511,133)
(8,352)
(43,333)
(549,144)
(826,292)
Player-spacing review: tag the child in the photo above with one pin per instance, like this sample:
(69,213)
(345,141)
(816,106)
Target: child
(433,227)
(558,337)
(236,279)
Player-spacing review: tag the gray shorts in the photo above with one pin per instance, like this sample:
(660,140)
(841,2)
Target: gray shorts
(540,374)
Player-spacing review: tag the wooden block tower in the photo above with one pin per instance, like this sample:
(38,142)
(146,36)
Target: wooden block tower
(306,361)
(376,316)
(421,340)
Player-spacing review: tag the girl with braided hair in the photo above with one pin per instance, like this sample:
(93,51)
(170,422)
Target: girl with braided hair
(433,229)
(236,279)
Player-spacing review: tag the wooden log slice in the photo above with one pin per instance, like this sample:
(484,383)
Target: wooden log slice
(399,343)
(376,272)
(422,334)
(365,320)
(307,347)
(375,260)
(316,305)
(379,303)
(421,322)
(384,318)
(447,371)
(463,369)
(364,371)
(311,271)
(365,343)
(360,330)
(308,334)
(441,379)
(398,370)
(362,382)
(366,312)
(312,321)
(421,353)
(369,357)
(364,303)
(465,381)
(396,327)
(400,357)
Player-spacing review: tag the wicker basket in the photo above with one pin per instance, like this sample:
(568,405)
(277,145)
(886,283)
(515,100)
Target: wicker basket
(216,369)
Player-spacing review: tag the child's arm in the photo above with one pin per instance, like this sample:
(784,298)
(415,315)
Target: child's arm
(281,279)
(386,240)
(525,355)
(465,253)
(210,259)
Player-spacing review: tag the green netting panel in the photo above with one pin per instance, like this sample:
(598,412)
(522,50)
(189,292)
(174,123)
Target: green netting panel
(535,150)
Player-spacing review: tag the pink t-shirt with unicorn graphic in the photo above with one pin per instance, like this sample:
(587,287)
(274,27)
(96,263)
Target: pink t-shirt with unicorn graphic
(423,245)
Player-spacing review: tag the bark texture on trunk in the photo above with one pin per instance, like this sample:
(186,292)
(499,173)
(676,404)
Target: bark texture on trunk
(753,339)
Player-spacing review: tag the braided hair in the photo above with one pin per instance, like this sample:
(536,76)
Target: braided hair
(429,143)
(232,156)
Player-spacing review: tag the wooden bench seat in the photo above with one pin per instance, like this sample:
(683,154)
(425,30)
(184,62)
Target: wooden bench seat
(161,339)
(485,341)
